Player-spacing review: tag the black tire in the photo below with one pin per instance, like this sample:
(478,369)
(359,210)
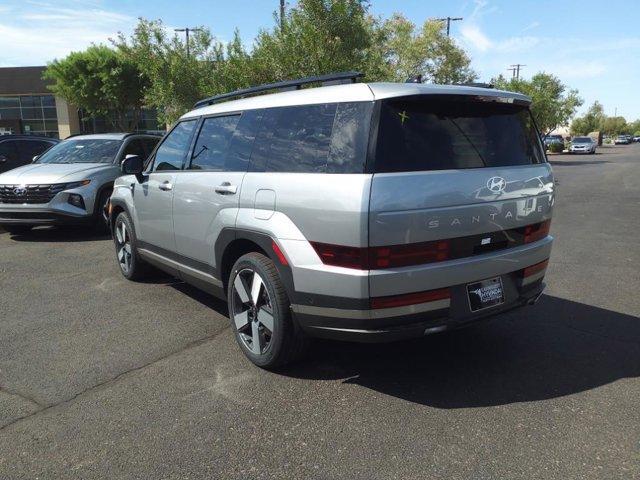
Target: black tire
(136,268)
(17,229)
(101,219)
(286,341)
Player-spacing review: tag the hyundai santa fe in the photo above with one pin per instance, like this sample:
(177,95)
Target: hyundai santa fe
(352,211)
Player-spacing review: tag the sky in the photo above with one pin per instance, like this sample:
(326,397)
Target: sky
(591,45)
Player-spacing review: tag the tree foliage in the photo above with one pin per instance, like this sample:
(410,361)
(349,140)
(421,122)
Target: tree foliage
(409,52)
(592,121)
(552,103)
(102,82)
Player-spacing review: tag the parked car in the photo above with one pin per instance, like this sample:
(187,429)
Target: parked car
(636,139)
(622,140)
(68,184)
(367,212)
(583,145)
(553,139)
(17,150)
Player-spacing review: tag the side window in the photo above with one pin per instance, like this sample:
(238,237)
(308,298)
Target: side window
(295,139)
(350,138)
(150,144)
(173,150)
(135,147)
(243,141)
(8,152)
(28,149)
(212,146)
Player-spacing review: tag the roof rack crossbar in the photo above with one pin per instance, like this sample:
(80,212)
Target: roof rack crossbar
(284,85)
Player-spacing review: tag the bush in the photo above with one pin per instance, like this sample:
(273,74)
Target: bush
(556,148)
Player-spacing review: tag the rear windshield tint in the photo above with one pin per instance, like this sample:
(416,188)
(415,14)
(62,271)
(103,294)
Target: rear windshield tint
(426,133)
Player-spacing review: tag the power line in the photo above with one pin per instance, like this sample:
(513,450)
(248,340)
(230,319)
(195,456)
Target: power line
(186,30)
(449,20)
(516,70)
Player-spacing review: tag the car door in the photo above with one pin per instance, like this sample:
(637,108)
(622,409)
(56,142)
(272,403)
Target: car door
(9,158)
(153,198)
(208,191)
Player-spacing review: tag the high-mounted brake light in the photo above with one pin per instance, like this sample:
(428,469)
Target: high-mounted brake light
(410,298)
(537,231)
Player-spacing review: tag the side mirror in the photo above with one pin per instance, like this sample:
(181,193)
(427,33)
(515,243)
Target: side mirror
(132,165)
(35,157)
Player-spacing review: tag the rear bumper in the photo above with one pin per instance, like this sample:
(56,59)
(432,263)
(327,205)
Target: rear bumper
(41,216)
(415,320)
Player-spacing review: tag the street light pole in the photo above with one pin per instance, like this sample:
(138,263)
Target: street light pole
(449,20)
(186,30)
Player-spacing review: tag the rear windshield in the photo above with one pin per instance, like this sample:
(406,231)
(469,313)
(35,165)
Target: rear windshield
(417,134)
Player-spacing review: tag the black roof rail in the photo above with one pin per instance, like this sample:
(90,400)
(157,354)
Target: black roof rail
(331,78)
(476,84)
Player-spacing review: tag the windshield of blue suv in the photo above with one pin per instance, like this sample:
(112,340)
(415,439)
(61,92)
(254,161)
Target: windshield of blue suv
(88,150)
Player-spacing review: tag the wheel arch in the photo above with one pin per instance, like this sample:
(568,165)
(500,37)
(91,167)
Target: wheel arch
(233,243)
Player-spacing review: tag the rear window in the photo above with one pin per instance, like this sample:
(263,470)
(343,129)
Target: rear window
(426,133)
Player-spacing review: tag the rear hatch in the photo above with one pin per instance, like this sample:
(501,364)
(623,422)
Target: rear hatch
(466,169)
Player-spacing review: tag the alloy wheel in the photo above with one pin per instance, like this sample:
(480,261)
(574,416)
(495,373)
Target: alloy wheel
(123,246)
(252,311)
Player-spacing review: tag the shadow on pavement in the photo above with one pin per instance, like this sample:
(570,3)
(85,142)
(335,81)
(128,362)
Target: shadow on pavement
(577,162)
(555,348)
(60,234)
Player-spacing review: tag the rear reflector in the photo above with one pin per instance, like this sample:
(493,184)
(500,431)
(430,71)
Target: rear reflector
(340,256)
(533,269)
(410,298)
(279,254)
(537,231)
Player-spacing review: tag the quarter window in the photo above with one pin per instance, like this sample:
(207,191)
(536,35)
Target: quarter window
(212,146)
(172,152)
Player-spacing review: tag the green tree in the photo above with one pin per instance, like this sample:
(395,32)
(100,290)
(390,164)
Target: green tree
(177,80)
(318,37)
(409,52)
(102,82)
(552,103)
(592,121)
(615,125)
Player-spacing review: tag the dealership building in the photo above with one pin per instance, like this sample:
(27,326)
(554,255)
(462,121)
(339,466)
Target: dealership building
(28,107)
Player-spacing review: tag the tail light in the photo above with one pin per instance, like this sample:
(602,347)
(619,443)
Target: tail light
(537,231)
(533,269)
(410,298)
(382,257)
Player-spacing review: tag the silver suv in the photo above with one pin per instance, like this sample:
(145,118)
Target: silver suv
(68,184)
(363,212)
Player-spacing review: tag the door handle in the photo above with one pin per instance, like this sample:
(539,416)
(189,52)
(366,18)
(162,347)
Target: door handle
(165,186)
(226,189)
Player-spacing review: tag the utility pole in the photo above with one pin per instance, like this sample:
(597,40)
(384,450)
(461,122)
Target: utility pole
(516,70)
(186,31)
(449,20)
(281,15)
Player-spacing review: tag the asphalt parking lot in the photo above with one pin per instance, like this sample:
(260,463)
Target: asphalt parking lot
(103,378)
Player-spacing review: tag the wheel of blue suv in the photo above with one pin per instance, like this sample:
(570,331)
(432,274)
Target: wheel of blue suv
(260,313)
(124,237)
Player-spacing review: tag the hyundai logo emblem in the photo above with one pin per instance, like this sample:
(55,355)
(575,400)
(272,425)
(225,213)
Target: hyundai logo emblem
(496,184)
(20,191)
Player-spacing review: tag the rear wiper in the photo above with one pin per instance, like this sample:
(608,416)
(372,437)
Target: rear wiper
(468,140)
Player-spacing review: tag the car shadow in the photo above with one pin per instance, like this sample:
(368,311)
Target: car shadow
(556,348)
(576,162)
(60,234)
